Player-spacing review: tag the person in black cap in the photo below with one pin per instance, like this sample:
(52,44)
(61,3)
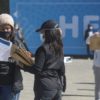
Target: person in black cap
(49,68)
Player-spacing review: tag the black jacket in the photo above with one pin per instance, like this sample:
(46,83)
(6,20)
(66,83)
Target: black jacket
(6,73)
(47,69)
(10,75)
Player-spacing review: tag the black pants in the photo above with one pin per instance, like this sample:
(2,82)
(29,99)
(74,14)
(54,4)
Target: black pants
(47,95)
(89,52)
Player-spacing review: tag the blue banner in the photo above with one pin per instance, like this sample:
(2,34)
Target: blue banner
(73,17)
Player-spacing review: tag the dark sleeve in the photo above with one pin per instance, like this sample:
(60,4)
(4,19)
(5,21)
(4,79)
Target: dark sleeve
(62,75)
(39,62)
(62,68)
(17,85)
(86,34)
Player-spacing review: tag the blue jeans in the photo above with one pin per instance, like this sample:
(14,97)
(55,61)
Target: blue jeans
(16,96)
(7,94)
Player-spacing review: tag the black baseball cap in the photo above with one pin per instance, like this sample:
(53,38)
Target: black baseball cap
(49,24)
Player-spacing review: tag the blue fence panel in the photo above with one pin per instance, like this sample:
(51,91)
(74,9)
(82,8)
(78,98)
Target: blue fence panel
(73,17)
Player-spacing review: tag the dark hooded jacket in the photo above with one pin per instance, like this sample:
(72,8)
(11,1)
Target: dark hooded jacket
(10,74)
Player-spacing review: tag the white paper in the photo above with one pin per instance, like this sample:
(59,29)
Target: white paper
(5,48)
(67,59)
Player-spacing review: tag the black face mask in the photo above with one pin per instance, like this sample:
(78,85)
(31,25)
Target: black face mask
(5,35)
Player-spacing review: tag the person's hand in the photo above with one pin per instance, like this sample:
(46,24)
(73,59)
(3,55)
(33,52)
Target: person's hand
(97,33)
(29,53)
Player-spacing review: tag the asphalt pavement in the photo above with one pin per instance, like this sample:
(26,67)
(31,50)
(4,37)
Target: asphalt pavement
(80,81)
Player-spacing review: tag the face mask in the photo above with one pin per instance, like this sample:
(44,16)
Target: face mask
(42,37)
(91,28)
(5,35)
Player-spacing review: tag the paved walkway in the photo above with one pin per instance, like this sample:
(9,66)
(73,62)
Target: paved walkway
(80,81)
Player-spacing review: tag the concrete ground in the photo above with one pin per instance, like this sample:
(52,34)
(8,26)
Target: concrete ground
(80,81)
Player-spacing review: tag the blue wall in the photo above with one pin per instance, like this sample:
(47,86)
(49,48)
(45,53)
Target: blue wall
(72,15)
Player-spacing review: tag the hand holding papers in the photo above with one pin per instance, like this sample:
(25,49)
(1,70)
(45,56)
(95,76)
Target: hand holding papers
(22,56)
(18,54)
(95,42)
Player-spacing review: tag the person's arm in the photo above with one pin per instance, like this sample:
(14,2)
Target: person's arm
(62,76)
(62,68)
(86,35)
(39,62)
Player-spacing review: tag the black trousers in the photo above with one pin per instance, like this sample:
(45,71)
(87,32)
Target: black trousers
(47,94)
(89,52)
